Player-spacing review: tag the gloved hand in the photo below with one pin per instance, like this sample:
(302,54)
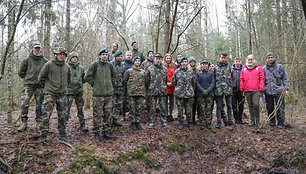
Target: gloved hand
(205,92)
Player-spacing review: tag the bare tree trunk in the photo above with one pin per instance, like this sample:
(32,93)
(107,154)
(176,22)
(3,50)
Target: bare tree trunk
(172,25)
(227,7)
(250,25)
(217,18)
(68,26)
(205,31)
(47,32)
(167,31)
(158,24)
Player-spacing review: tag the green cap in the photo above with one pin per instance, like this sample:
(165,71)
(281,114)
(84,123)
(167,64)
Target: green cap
(183,58)
(117,53)
(204,61)
(270,54)
(211,63)
(36,44)
(192,59)
(73,54)
(59,50)
(133,43)
(136,57)
(103,50)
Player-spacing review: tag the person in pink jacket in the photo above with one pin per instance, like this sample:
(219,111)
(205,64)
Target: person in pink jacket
(252,85)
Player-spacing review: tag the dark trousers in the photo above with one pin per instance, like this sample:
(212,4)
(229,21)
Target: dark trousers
(228,100)
(195,109)
(238,106)
(169,104)
(273,102)
(253,102)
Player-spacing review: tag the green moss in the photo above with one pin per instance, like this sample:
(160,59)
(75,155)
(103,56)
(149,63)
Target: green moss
(175,146)
(18,167)
(50,169)
(84,149)
(135,155)
(43,162)
(51,154)
(298,162)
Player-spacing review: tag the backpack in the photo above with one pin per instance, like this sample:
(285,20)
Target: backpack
(96,67)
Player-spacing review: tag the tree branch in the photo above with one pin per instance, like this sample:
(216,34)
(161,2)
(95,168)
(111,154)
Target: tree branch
(114,25)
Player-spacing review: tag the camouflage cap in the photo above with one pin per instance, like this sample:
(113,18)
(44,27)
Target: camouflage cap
(118,53)
(59,50)
(73,54)
(204,61)
(103,50)
(36,44)
(192,59)
(133,43)
(136,57)
(183,58)
(158,55)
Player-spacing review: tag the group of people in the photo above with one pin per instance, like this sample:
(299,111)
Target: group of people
(138,86)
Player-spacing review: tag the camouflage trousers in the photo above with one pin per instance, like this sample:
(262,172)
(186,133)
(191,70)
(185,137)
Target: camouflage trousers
(184,103)
(102,108)
(27,94)
(204,104)
(47,107)
(162,100)
(136,104)
(79,102)
(117,106)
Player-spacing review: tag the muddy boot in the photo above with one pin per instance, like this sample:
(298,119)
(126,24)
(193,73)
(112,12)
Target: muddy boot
(23,126)
(107,135)
(180,126)
(116,123)
(170,118)
(133,126)
(138,126)
(218,124)
(190,126)
(208,126)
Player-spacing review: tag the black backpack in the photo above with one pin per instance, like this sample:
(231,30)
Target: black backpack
(96,67)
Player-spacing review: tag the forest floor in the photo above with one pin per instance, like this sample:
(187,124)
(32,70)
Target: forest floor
(240,149)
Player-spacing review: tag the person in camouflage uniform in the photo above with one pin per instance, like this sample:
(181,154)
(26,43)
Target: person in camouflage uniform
(102,77)
(119,90)
(224,77)
(29,71)
(75,89)
(205,92)
(195,109)
(111,54)
(177,61)
(145,65)
(127,64)
(135,81)
(184,82)
(136,52)
(55,75)
(157,76)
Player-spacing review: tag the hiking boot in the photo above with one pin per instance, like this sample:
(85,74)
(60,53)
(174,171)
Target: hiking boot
(83,128)
(151,125)
(170,118)
(252,124)
(23,126)
(133,126)
(218,125)
(190,126)
(180,126)
(138,126)
(108,136)
(230,123)
(280,127)
(97,138)
(202,126)
(208,126)
(116,123)
(63,138)
(258,124)
(165,125)
(271,124)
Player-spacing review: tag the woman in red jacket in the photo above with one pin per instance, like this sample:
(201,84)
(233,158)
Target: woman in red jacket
(168,62)
(252,85)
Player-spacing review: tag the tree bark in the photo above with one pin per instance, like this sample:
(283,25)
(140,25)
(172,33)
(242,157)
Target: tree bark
(158,24)
(167,31)
(68,26)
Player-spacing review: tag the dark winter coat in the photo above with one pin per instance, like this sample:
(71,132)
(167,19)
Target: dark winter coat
(205,80)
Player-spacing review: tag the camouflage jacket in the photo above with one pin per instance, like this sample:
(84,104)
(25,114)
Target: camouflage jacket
(119,69)
(184,82)
(134,80)
(224,78)
(157,80)
(145,65)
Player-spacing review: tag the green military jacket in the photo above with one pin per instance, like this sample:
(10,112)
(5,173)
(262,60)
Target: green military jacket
(157,80)
(183,81)
(103,80)
(224,78)
(56,76)
(30,68)
(77,78)
(135,81)
(119,68)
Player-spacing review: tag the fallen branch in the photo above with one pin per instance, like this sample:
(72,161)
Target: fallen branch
(67,144)
(5,164)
